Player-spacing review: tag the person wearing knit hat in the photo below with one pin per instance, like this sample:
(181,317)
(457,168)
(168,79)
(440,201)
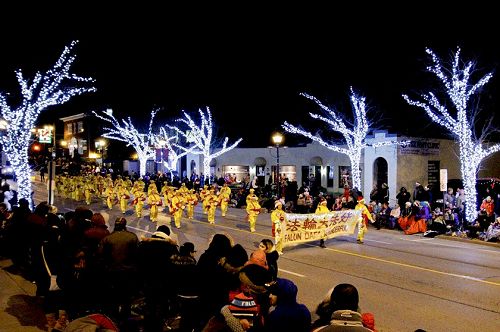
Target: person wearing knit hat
(363,220)
(277,219)
(322,209)
(255,274)
(240,315)
(258,257)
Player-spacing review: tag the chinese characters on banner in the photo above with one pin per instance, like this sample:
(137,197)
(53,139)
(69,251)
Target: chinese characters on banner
(300,228)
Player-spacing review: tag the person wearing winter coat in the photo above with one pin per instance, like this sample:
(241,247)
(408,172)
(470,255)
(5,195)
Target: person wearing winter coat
(288,315)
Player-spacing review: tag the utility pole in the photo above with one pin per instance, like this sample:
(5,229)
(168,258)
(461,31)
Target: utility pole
(52,167)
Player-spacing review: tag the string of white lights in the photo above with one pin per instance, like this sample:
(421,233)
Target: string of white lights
(49,88)
(354,137)
(459,90)
(125,131)
(201,136)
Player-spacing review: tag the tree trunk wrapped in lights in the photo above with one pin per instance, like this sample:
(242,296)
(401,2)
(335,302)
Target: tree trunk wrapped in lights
(45,89)
(171,141)
(125,131)
(459,90)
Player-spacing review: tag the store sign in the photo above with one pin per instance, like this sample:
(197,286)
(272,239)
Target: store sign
(433,174)
(44,135)
(420,147)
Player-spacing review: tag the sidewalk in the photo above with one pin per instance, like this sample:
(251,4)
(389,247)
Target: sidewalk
(20,310)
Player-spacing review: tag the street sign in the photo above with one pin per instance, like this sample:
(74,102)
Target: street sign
(443,179)
(44,135)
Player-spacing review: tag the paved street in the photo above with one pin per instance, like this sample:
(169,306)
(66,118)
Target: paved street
(408,282)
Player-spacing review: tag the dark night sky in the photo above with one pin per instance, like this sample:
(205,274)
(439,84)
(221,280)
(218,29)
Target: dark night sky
(250,66)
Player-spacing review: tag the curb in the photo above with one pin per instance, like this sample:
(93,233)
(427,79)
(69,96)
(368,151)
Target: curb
(467,240)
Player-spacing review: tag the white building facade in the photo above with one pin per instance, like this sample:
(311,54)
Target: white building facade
(397,166)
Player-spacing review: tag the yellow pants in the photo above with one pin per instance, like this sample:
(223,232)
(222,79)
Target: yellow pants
(223,208)
(190,211)
(88,197)
(252,219)
(123,205)
(138,209)
(278,241)
(211,215)
(177,218)
(109,202)
(361,230)
(153,215)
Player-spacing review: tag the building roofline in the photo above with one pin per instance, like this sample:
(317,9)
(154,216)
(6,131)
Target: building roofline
(73,117)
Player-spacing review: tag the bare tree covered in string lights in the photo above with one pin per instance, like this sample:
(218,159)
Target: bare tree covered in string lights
(125,131)
(201,135)
(171,141)
(53,87)
(458,89)
(354,133)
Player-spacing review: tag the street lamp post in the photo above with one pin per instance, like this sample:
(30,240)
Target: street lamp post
(277,140)
(51,165)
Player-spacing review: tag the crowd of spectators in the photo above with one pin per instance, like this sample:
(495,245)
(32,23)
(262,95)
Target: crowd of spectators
(114,278)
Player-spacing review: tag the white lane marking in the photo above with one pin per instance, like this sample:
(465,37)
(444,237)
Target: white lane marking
(292,273)
(140,230)
(378,241)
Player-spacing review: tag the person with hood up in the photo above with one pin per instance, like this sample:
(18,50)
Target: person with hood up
(288,315)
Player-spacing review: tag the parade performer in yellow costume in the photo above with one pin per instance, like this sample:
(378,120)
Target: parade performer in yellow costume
(177,208)
(224,198)
(141,183)
(203,195)
(88,189)
(154,201)
(192,201)
(110,195)
(322,209)
(211,205)
(128,183)
(277,218)
(253,209)
(183,189)
(139,199)
(152,185)
(124,196)
(164,192)
(363,220)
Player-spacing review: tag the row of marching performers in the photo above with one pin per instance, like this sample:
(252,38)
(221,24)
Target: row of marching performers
(124,193)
